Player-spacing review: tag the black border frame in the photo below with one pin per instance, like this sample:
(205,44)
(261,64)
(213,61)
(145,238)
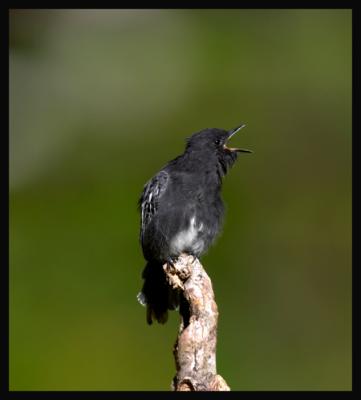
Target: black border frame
(4,378)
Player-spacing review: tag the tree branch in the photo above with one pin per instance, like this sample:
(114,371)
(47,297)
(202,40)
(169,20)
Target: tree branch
(195,348)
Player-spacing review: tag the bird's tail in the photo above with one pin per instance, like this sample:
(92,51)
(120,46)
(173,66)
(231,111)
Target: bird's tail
(157,295)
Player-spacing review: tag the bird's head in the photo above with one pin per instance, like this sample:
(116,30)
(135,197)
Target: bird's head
(213,143)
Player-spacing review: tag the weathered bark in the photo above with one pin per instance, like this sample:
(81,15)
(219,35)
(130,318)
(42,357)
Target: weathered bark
(195,348)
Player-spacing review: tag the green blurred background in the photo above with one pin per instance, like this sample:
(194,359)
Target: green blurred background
(99,101)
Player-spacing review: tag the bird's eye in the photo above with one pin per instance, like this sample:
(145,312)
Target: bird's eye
(217,142)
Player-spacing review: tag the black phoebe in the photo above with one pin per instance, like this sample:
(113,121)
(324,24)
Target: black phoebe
(181,212)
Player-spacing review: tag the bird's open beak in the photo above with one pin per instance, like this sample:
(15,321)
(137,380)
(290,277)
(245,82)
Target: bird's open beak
(230,134)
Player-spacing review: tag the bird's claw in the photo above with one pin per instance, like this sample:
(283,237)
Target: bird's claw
(171,273)
(170,262)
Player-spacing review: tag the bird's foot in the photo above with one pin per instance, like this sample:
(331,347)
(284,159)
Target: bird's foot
(171,261)
(172,273)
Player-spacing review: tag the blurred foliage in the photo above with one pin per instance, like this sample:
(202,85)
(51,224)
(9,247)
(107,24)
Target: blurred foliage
(99,101)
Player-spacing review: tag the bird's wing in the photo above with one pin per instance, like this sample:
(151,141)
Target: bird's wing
(152,192)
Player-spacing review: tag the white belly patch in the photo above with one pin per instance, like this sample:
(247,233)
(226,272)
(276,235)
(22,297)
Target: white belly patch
(188,239)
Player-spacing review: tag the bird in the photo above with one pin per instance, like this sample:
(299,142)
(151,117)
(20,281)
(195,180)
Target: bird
(181,211)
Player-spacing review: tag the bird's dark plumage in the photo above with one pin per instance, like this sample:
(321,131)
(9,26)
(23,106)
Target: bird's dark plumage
(181,211)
